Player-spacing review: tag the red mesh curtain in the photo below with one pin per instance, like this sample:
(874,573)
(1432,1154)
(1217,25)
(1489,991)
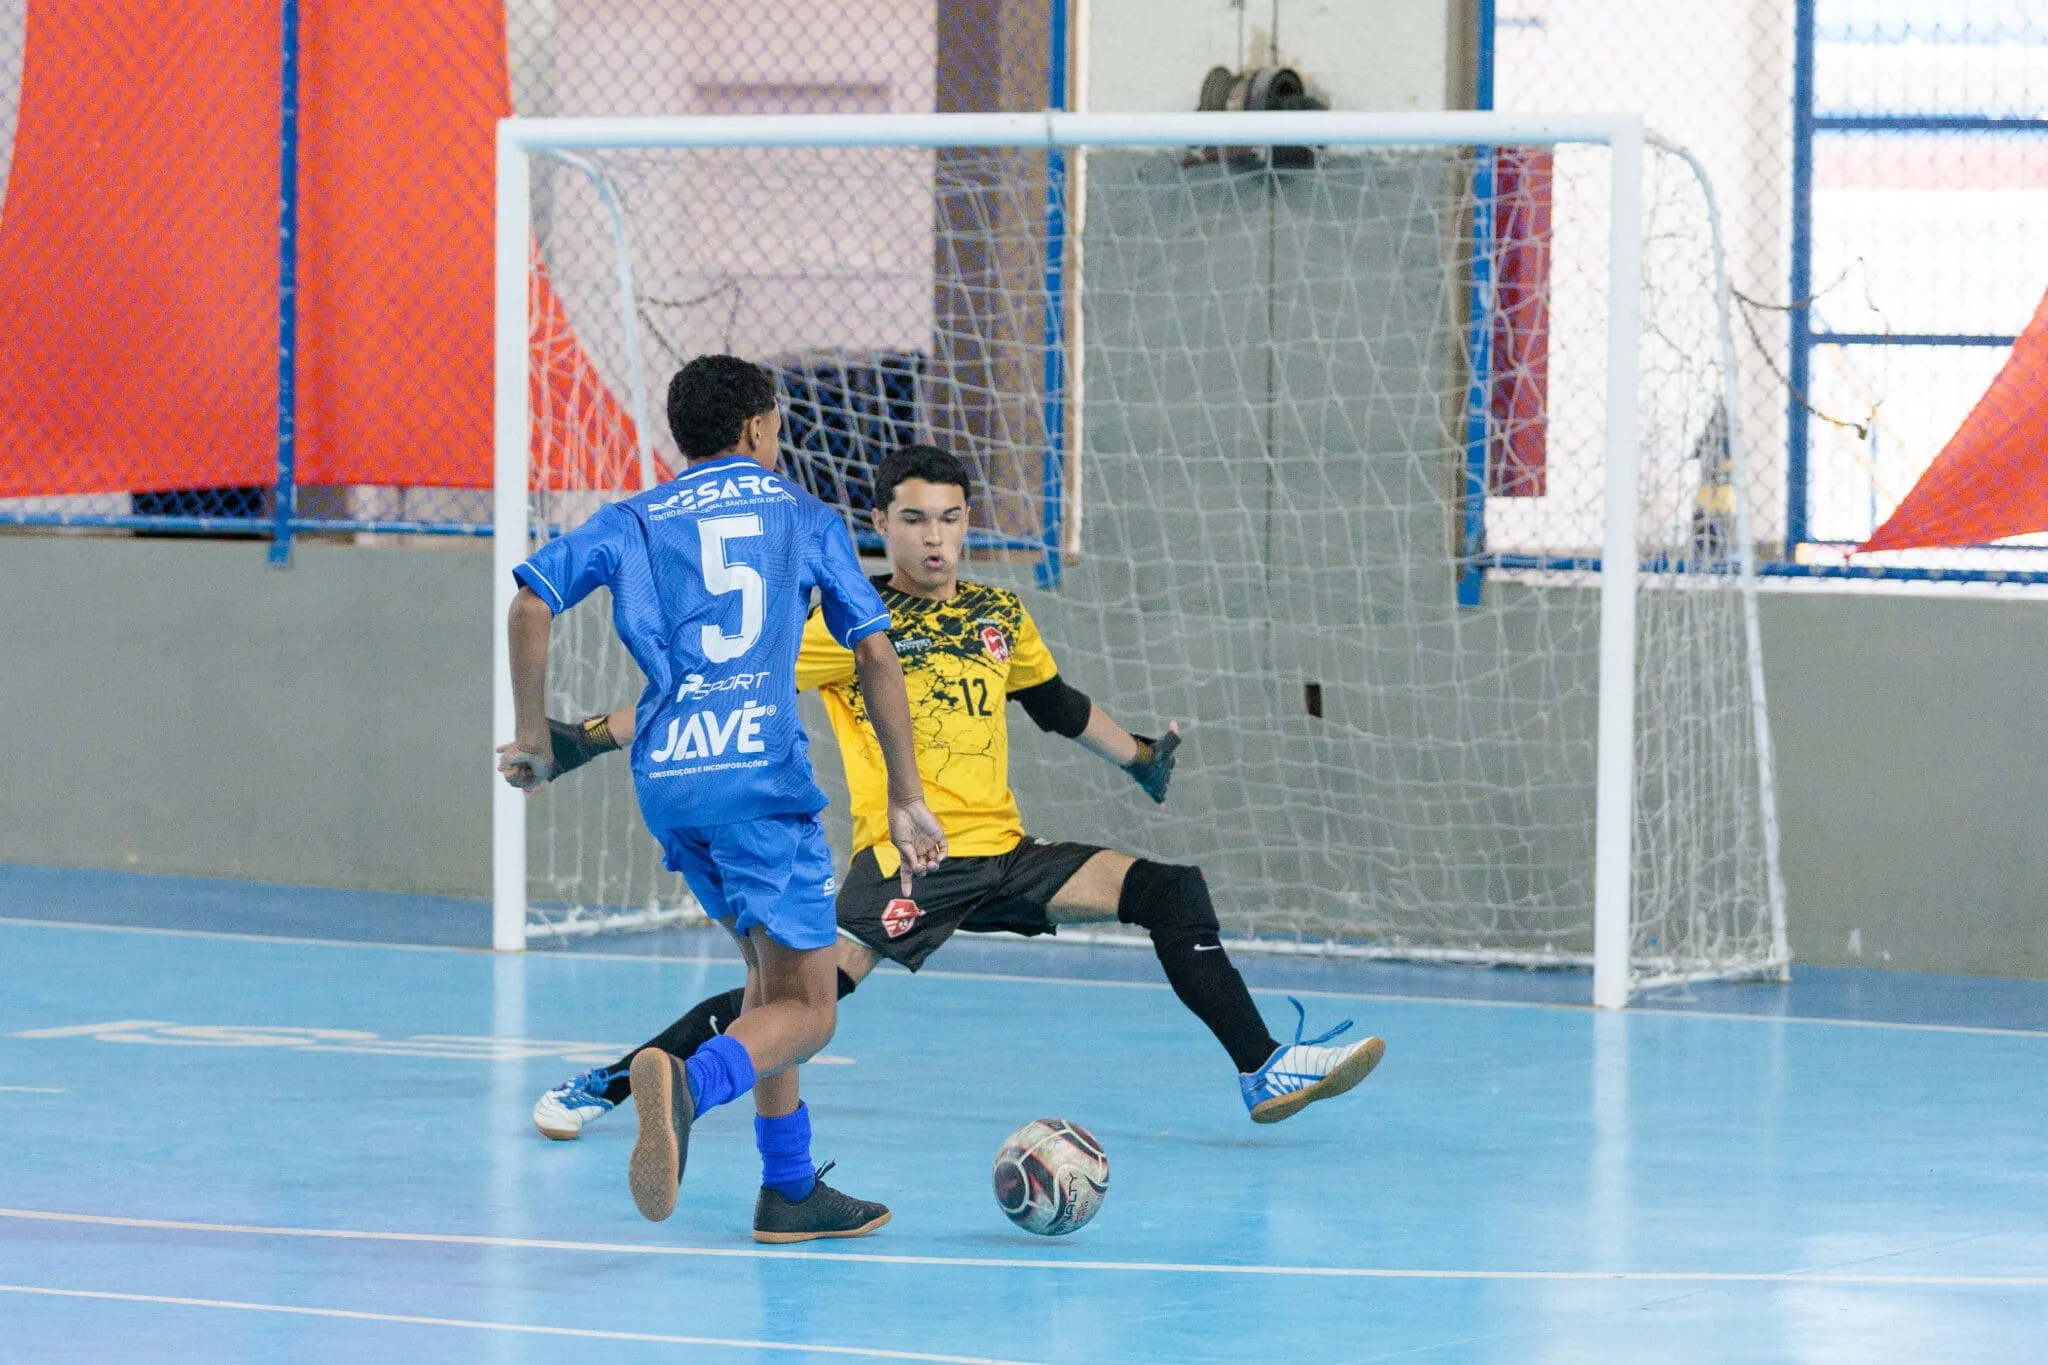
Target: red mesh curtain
(1991,480)
(398,197)
(1520,387)
(139,248)
(396,205)
(138,251)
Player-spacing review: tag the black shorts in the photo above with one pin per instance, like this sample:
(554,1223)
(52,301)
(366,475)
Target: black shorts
(1009,891)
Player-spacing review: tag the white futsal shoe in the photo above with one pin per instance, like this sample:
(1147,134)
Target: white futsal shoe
(564,1112)
(1304,1071)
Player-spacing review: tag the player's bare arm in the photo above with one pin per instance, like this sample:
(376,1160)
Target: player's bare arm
(1148,761)
(1059,708)
(529,761)
(912,827)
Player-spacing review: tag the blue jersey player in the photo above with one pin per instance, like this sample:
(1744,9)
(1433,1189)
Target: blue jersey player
(711,576)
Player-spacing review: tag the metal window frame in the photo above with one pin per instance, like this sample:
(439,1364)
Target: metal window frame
(1809,124)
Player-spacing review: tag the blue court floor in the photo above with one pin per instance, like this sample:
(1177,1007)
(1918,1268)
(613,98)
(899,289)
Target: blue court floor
(237,1128)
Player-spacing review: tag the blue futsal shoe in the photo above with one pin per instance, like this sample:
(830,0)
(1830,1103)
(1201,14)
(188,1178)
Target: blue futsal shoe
(1304,1071)
(565,1111)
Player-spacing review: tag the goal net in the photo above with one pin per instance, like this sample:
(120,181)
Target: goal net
(1326,436)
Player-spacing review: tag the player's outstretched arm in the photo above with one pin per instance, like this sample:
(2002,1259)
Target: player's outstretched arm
(529,761)
(1149,761)
(1058,708)
(912,827)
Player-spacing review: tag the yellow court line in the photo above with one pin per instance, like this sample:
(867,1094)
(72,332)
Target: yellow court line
(531,1329)
(1032,1263)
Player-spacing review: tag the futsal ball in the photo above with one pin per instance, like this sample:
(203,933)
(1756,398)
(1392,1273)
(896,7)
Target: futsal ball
(1051,1176)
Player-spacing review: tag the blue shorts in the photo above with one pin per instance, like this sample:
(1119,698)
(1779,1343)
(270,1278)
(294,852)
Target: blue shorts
(774,872)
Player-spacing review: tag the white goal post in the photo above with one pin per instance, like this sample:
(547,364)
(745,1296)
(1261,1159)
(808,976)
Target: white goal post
(1624,955)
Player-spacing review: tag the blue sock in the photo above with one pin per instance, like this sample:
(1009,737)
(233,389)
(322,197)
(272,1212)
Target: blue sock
(719,1071)
(785,1145)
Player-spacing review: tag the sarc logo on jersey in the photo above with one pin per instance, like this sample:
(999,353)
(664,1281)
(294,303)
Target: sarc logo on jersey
(697,497)
(706,734)
(998,648)
(900,917)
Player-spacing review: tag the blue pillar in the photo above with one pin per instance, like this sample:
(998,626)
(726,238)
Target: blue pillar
(1799,361)
(1479,341)
(287,293)
(1053,489)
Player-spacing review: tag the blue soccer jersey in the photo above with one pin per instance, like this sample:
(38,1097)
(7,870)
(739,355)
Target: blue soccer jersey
(711,577)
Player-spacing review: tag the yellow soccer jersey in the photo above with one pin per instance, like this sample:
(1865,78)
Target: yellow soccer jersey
(961,660)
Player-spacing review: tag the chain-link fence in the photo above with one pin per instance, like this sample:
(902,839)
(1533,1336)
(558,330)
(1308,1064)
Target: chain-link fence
(1883,169)
(245,252)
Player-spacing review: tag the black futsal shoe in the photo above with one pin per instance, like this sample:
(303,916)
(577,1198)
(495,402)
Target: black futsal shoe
(661,1097)
(824,1212)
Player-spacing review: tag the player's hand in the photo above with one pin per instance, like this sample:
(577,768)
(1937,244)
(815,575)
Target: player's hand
(1152,769)
(915,832)
(526,770)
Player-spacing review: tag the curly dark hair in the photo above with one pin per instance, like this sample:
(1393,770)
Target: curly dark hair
(929,463)
(712,398)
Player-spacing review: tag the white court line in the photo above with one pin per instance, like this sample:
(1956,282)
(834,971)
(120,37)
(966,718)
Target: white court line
(863,1352)
(1663,1012)
(1032,1263)
(36,1089)
(157,932)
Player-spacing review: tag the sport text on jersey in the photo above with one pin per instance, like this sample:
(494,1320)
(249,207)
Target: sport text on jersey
(732,488)
(694,688)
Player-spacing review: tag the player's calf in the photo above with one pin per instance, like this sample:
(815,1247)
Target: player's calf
(1172,905)
(563,1112)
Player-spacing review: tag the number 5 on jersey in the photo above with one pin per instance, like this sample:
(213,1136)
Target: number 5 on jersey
(721,577)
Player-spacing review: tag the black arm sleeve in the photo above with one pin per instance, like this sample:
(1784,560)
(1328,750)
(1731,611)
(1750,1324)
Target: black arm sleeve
(576,745)
(1056,707)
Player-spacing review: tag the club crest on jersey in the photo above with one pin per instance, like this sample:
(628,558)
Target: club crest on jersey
(998,648)
(900,917)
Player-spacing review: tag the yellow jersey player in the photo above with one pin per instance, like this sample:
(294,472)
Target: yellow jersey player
(967,648)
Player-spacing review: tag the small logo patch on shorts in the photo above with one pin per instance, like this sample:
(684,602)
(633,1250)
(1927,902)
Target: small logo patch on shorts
(998,648)
(900,917)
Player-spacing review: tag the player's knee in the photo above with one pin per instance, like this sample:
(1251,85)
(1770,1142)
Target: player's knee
(821,1019)
(1169,902)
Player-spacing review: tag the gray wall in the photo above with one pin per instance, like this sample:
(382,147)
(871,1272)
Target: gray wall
(182,707)
(1913,759)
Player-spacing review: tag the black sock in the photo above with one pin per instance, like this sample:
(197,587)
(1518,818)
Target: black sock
(705,1020)
(1172,903)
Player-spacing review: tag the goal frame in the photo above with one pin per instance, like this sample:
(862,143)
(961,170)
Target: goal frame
(519,139)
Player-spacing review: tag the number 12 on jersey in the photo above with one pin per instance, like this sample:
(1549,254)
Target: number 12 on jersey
(974,696)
